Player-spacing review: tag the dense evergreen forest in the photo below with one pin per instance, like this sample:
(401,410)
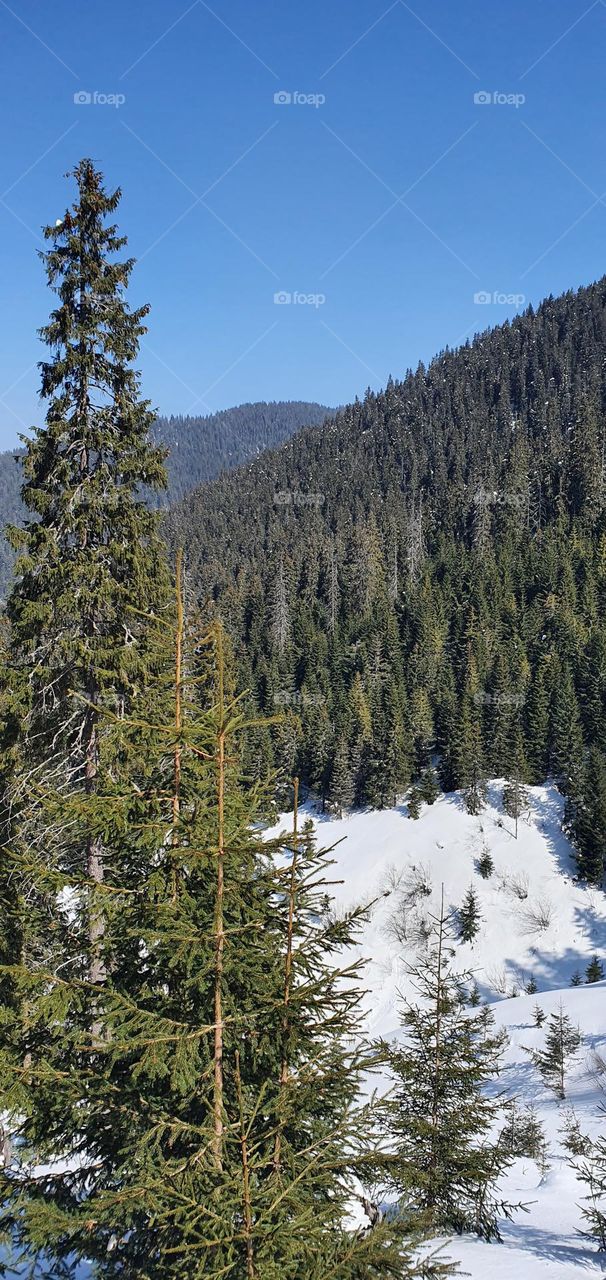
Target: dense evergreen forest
(419,587)
(199,448)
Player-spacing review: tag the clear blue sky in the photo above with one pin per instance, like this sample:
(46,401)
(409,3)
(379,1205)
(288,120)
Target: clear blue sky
(396,199)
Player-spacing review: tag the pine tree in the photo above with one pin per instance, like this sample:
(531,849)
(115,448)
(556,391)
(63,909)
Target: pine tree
(536,714)
(591,1170)
(516,800)
(566,734)
(539,1015)
(562,1042)
(413,803)
(342,785)
(523,1133)
(587,818)
(468,917)
(428,785)
(474,998)
(485,864)
(594,971)
(444,1162)
(90,553)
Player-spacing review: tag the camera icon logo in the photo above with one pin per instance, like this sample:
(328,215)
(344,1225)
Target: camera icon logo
(282,297)
(282,98)
(82,98)
(482,296)
(482,98)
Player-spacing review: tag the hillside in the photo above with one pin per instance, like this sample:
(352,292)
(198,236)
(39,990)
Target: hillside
(427,575)
(199,449)
(387,853)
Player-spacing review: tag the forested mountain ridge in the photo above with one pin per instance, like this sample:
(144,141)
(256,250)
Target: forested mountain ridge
(199,448)
(426,576)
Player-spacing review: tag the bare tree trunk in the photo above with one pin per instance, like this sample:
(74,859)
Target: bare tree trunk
(292,890)
(437,1062)
(94,857)
(219,935)
(176,800)
(246,1199)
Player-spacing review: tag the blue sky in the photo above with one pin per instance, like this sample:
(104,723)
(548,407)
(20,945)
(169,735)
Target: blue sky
(380,199)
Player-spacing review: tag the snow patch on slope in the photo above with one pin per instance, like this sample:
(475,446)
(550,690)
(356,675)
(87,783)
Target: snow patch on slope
(548,934)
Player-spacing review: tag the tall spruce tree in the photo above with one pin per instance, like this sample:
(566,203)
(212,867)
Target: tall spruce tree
(90,550)
(587,818)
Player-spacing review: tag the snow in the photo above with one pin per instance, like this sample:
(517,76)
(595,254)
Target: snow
(374,861)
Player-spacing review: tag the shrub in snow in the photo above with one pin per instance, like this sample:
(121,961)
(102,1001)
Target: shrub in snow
(537,916)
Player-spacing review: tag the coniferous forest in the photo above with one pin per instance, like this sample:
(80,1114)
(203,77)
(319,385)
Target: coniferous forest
(406,599)
(419,586)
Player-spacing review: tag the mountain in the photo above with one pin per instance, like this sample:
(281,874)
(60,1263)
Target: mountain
(539,939)
(199,449)
(425,578)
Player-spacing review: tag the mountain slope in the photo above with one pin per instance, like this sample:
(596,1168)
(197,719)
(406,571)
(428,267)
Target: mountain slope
(386,852)
(199,449)
(427,573)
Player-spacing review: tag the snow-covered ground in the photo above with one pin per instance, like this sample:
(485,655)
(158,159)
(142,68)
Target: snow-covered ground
(536,923)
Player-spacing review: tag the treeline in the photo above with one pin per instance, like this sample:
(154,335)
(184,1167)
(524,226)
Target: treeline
(423,582)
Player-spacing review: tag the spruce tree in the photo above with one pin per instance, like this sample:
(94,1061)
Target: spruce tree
(428,785)
(413,803)
(444,1162)
(594,971)
(516,800)
(587,818)
(468,917)
(90,552)
(562,1043)
(591,1171)
(523,1133)
(485,864)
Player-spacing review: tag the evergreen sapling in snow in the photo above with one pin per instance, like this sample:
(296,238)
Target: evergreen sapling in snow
(443,1162)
